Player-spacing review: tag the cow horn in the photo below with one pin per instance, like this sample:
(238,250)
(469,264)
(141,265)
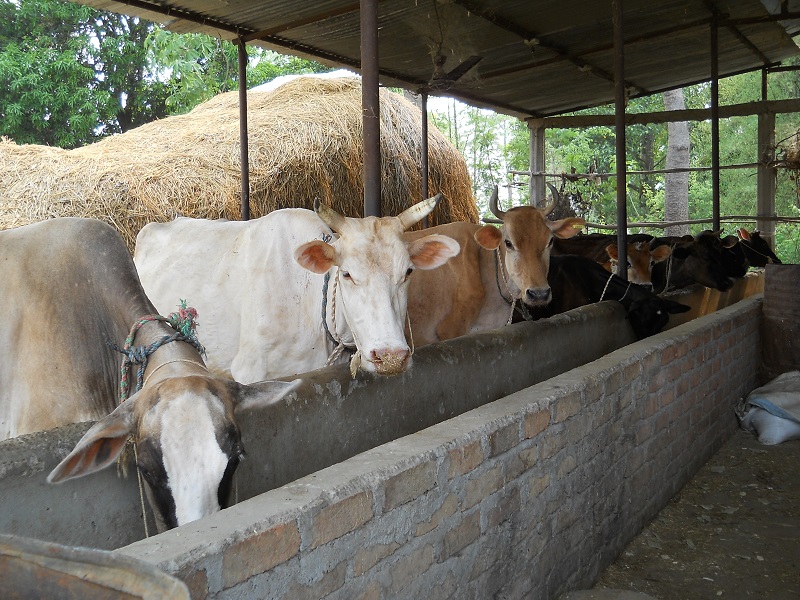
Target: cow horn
(414,214)
(329,216)
(494,207)
(556,198)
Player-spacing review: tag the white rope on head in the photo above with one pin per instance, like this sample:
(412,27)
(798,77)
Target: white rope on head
(603,295)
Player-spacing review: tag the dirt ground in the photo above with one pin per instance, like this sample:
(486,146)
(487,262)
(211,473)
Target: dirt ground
(732,532)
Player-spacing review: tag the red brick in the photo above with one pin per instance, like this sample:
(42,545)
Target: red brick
(465,458)
(536,422)
(343,517)
(259,553)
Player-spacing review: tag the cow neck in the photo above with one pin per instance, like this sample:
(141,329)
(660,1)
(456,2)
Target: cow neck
(339,344)
(147,328)
(500,271)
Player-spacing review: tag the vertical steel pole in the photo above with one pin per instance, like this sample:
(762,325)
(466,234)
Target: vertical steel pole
(715,124)
(424,151)
(619,123)
(536,160)
(243,139)
(370,107)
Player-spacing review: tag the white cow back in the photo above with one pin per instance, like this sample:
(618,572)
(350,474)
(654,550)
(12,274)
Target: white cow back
(246,286)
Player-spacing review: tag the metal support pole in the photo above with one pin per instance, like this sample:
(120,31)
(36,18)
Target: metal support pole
(536,161)
(767,176)
(244,156)
(715,124)
(370,108)
(619,123)
(423,175)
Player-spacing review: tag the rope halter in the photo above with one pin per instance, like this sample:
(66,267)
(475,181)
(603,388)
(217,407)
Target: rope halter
(183,321)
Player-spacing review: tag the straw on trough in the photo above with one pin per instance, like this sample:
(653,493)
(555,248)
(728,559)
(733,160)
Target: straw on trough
(305,141)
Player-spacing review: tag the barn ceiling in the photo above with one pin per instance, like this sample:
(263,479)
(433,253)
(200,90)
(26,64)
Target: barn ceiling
(528,58)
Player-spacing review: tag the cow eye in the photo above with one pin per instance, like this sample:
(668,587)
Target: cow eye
(509,245)
(409,271)
(346,275)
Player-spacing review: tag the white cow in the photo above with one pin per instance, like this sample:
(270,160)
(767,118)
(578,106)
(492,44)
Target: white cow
(258,286)
(68,287)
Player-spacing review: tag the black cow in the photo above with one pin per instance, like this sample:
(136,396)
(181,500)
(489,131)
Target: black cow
(578,281)
(697,259)
(756,248)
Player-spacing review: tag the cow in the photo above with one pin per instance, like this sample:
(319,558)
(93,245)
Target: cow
(577,281)
(497,267)
(756,249)
(694,260)
(602,248)
(285,293)
(70,293)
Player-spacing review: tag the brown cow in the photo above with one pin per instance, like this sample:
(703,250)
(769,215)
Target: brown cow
(496,265)
(602,248)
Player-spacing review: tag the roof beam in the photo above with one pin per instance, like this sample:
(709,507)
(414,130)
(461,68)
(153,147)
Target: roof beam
(527,35)
(343,10)
(722,20)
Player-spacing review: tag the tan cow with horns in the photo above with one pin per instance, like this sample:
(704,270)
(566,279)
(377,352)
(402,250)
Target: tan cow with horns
(497,267)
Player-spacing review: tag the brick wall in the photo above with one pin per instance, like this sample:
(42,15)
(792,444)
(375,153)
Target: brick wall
(526,497)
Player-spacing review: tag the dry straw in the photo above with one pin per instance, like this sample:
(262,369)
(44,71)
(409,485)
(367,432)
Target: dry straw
(305,142)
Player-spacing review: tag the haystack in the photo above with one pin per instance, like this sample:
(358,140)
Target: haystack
(305,142)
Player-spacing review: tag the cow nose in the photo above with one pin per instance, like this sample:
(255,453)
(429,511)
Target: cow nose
(537,295)
(390,361)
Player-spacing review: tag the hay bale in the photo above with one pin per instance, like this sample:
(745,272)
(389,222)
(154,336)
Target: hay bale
(305,142)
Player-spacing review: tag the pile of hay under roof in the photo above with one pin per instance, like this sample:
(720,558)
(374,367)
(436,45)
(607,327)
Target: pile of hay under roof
(305,141)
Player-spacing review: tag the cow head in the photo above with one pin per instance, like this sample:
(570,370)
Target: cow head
(372,264)
(526,237)
(641,260)
(188,443)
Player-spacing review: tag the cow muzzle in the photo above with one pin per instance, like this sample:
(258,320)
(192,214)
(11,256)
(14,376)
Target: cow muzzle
(537,296)
(388,361)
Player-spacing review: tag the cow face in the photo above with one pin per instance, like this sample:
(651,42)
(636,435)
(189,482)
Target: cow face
(371,267)
(525,239)
(188,443)
(641,260)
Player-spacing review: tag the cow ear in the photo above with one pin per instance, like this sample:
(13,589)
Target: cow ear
(661,253)
(317,256)
(612,251)
(261,394)
(566,228)
(743,233)
(99,447)
(432,251)
(488,237)
(729,241)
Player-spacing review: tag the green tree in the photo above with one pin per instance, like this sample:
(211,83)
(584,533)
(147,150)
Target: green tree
(196,67)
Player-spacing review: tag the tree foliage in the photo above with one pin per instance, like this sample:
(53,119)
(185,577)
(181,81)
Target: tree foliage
(70,75)
(592,150)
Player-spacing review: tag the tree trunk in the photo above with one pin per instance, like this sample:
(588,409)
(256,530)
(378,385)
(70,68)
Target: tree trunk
(676,194)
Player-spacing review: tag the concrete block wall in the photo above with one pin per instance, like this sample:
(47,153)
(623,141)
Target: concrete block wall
(525,497)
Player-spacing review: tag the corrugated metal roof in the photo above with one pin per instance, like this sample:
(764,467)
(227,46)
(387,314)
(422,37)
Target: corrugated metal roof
(526,58)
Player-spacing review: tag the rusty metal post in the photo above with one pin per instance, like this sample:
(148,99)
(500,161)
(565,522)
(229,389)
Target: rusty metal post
(424,151)
(715,124)
(619,123)
(243,138)
(536,160)
(370,107)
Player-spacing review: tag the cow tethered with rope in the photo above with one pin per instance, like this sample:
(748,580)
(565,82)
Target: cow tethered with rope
(71,279)
(258,285)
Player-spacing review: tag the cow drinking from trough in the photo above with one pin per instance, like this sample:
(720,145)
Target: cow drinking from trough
(69,287)
(497,266)
(279,294)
